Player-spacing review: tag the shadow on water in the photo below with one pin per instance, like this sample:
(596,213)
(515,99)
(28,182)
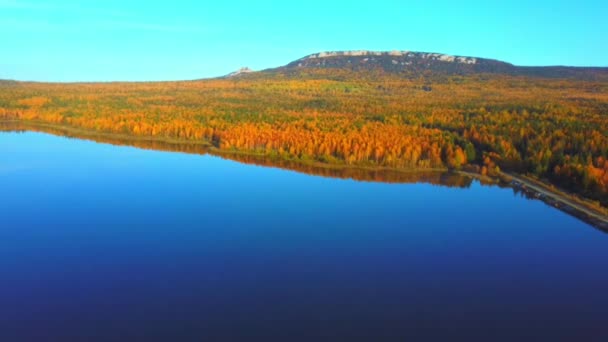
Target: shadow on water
(438,177)
(443,178)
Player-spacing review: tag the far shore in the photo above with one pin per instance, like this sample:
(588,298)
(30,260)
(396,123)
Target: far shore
(574,205)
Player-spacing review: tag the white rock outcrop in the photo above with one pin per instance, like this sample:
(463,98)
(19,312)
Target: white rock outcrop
(429,56)
(241,71)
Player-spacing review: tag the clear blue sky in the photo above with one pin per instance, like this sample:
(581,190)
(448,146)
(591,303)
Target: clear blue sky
(69,40)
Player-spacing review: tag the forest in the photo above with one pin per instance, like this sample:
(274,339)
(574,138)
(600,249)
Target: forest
(554,129)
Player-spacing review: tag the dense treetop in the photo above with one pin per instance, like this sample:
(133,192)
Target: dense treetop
(553,128)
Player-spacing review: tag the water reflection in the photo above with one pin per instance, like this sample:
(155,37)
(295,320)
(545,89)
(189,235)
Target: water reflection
(442,178)
(448,179)
(106,243)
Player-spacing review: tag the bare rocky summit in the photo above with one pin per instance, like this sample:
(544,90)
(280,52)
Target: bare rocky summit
(409,62)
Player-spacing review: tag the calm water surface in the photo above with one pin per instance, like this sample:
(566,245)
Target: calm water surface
(99,242)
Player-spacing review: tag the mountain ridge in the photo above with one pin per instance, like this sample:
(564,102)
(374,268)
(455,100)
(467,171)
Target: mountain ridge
(408,62)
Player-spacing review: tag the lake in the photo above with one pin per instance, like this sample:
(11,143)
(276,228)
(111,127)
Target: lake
(105,242)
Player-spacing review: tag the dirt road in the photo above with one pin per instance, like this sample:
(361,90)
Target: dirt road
(590,215)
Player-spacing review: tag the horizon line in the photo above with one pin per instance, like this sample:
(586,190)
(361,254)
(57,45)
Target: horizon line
(301,58)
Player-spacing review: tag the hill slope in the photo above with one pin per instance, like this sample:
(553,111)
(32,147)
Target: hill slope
(407,62)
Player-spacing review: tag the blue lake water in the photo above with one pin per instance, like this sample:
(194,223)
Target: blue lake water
(103,242)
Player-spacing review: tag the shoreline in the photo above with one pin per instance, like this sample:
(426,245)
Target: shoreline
(206,147)
(559,199)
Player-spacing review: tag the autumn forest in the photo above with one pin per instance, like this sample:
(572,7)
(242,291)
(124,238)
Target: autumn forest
(554,129)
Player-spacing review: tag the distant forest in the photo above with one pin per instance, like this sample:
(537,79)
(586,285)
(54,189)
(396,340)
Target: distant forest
(551,128)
